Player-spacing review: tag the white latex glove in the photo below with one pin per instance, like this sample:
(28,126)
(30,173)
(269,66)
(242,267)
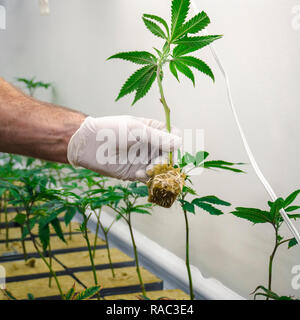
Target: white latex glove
(122,147)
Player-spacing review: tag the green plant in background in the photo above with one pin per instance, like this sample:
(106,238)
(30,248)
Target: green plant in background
(83,295)
(72,204)
(8,164)
(31,85)
(190,200)
(90,180)
(123,200)
(97,209)
(31,193)
(273,217)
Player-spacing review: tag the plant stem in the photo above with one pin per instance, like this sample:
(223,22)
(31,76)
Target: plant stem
(108,254)
(165,105)
(6,220)
(105,232)
(50,263)
(70,231)
(42,256)
(136,256)
(90,252)
(96,234)
(23,245)
(271,260)
(187,256)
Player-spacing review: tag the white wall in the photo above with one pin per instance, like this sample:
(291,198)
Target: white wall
(260,49)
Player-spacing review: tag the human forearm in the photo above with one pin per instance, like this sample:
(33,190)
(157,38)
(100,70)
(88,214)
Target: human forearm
(34,128)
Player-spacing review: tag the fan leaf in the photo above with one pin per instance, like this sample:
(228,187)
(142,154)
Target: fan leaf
(158,19)
(180,9)
(190,44)
(138,57)
(252,214)
(132,83)
(184,69)
(214,200)
(145,84)
(173,69)
(207,207)
(194,25)
(197,64)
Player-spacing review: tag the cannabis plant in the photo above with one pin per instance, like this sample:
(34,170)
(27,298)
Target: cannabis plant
(8,165)
(180,38)
(272,217)
(123,200)
(31,85)
(33,194)
(190,200)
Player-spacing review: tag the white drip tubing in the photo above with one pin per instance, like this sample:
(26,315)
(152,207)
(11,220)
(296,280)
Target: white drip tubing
(253,162)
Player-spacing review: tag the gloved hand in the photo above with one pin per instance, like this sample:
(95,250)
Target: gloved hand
(122,147)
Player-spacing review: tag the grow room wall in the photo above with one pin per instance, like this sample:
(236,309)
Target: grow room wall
(260,50)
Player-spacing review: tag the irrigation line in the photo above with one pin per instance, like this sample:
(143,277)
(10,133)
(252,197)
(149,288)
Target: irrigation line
(253,162)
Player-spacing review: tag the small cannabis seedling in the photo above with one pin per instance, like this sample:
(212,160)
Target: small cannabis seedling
(166,182)
(31,85)
(273,217)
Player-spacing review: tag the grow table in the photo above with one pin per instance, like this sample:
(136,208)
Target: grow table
(72,265)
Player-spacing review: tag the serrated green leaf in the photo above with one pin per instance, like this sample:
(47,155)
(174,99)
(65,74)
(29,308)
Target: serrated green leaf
(158,52)
(88,293)
(214,200)
(294,216)
(44,235)
(133,81)
(291,198)
(198,64)
(183,49)
(20,218)
(160,20)
(192,26)
(207,207)
(173,69)
(32,222)
(139,210)
(293,242)
(57,227)
(292,208)
(189,190)
(180,9)
(187,206)
(70,293)
(252,214)
(29,161)
(142,191)
(154,28)
(197,42)
(138,57)
(184,69)
(145,84)
(70,213)
(274,210)
(221,165)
